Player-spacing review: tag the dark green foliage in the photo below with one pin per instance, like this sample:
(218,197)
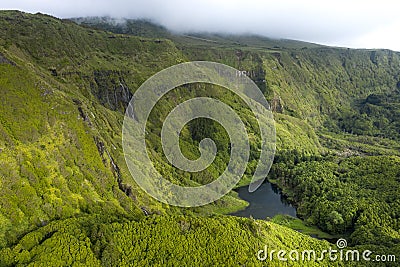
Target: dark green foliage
(63,91)
(356,196)
(156,241)
(377,115)
(59,144)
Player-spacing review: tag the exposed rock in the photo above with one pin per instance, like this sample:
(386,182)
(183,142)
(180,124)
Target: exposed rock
(84,116)
(4,60)
(100,147)
(127,189)
(145,211)
(82,113)
(43,222)
(53,71)
(130,112)
(278,56)
(114,167)
(276,104)
(77,101)
(110,88)
(46,91)
(239,55)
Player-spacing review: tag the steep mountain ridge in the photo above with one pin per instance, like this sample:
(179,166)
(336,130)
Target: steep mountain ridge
(64,89)
(60,144)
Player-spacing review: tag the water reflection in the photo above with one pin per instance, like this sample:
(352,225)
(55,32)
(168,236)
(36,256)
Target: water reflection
(266,201)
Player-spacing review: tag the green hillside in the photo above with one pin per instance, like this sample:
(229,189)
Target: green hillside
(67,197)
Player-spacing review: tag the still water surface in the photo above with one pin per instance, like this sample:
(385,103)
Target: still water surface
(266,201)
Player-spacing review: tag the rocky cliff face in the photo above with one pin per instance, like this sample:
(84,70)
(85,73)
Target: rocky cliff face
(277,104)
(111,89)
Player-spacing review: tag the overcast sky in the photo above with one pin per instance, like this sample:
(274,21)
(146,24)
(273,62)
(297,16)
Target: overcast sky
(350,23)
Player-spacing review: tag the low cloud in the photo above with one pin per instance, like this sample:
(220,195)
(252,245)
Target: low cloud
(341,23)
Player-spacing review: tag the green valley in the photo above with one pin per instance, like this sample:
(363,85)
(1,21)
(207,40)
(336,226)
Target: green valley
(67,197)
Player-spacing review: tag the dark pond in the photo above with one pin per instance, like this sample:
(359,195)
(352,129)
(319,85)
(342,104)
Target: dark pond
(266,201)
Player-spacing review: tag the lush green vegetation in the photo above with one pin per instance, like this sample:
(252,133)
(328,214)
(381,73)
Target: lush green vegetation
(156,241)
(354,197)
(67,197)
(376,115)
(301,226)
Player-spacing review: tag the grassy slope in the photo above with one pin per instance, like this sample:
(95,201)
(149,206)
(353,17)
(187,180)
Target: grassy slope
(54,164)
(51,118)
(49,153)
(317,84)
